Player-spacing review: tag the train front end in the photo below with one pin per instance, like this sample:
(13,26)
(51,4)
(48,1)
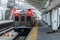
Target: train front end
(23,22)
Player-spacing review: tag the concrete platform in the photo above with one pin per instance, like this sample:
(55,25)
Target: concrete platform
(39,32)
(5,21)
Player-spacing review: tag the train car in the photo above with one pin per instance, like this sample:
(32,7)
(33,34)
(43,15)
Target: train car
(24,21)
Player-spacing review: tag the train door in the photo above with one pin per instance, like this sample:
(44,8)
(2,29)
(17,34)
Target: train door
(28,21)
(22,20)
(17,22)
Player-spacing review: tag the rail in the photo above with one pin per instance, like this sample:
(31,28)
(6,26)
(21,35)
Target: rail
(5,26)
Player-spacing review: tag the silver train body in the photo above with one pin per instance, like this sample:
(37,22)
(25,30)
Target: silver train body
(24,23)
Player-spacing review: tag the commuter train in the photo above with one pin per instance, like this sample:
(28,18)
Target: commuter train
(24,21)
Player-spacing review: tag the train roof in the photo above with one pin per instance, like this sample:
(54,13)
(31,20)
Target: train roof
(22,11)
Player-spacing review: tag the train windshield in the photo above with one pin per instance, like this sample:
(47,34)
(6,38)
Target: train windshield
(28,18)
(22,18)
(16,18)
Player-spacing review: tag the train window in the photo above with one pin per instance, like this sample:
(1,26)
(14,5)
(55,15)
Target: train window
(16,18)
(28,18)
(22,18)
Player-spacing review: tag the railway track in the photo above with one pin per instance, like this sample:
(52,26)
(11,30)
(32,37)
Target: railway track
(6,26)
(6,30)
(18,37)
(22,36)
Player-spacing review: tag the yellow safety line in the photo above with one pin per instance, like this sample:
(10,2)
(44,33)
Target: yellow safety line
(33,34)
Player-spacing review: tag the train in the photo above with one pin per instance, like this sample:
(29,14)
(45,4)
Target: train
(24,21)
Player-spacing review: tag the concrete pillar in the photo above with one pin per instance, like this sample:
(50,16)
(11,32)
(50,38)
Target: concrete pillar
(54,19)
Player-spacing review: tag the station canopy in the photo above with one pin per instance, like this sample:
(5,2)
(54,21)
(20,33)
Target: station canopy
(37,3)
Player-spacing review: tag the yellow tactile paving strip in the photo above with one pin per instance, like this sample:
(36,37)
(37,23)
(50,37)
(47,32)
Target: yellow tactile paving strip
(33,34)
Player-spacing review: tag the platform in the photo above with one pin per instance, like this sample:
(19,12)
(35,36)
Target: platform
(5,21)
(39,32)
